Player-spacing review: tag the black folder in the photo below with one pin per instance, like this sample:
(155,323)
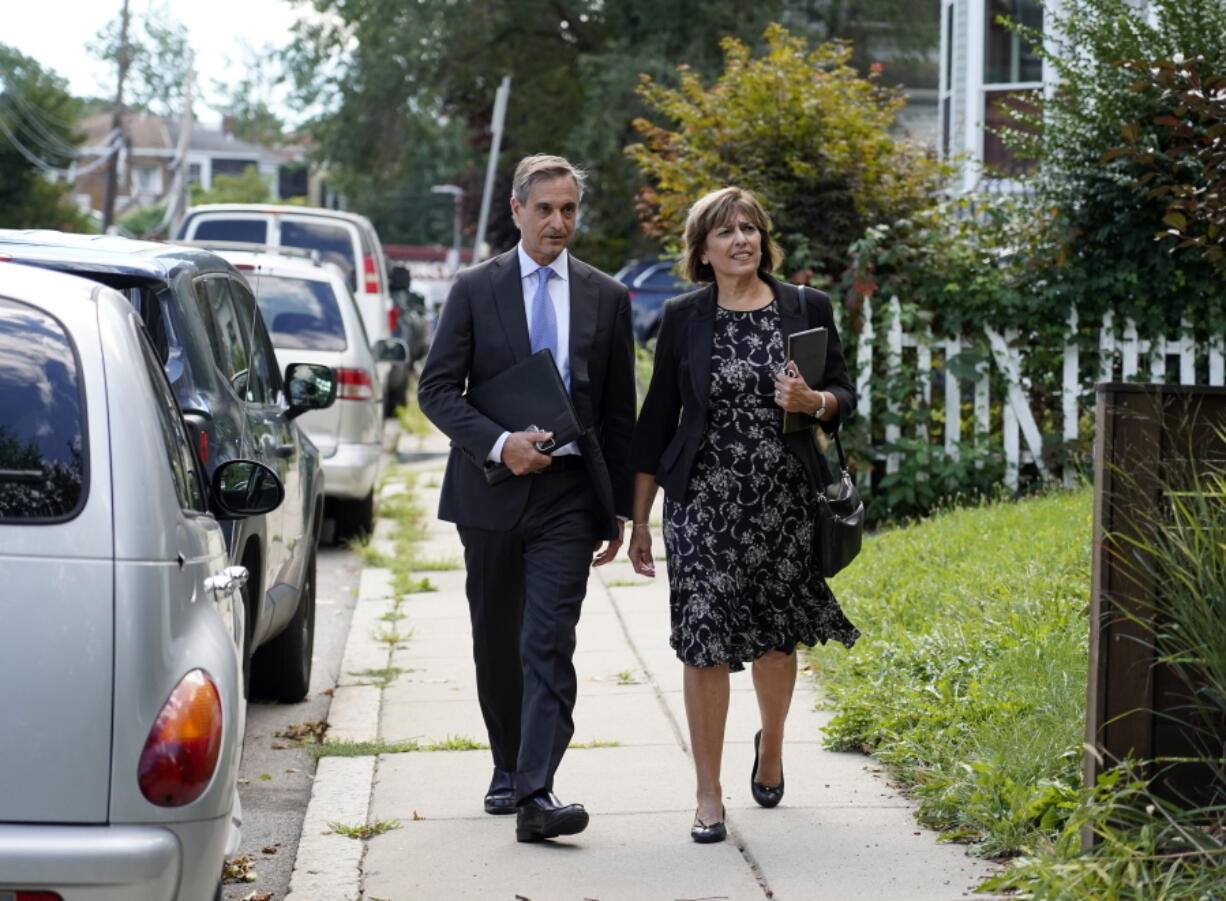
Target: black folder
(808,350)
(530,396)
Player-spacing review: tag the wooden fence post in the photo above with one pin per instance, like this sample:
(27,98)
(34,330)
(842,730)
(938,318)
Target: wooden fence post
(1070,390)
(953,399)
(893,363)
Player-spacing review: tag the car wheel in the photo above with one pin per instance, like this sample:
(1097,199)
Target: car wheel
(355,518)
(282,668)
(248,636)
(397,393)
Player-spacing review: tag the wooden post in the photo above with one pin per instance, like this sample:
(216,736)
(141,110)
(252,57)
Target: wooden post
(953,399)
(1070,390)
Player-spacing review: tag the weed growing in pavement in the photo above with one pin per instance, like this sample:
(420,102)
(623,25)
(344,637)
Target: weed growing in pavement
(392,637)
(413,420)
(580,746)
(392,616)
(380,677)
(627,583)
(365,830)
(366,551)
(969,681)
(371,748)
(403,583)
(626,677)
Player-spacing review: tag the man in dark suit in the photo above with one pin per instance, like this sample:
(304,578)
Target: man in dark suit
(528,540)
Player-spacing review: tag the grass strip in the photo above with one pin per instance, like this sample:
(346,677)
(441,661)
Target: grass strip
(969,682)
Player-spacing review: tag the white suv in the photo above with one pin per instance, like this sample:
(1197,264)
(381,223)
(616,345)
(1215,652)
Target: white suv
(311,317)
(347,239)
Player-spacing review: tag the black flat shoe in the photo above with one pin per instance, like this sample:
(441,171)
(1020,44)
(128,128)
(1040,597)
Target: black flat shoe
(767,796)
(543,816)
(707,835)
(500,799)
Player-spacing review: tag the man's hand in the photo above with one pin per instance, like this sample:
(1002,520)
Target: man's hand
(611,549)
(520,455)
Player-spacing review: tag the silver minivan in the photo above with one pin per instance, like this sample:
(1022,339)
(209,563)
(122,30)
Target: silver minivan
(123,705)
(347,239)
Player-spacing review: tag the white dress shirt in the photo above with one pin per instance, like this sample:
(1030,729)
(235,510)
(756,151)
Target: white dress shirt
(559,293)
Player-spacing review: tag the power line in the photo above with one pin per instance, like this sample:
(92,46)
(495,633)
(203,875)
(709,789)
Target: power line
(52,145)
(114,140)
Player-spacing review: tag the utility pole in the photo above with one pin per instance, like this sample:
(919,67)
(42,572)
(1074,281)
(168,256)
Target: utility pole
(176,195)
(500,113)
(112,170)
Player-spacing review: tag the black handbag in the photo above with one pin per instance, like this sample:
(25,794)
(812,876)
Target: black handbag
(839,529)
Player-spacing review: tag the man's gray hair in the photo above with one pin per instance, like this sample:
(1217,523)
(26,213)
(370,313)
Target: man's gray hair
(541,166)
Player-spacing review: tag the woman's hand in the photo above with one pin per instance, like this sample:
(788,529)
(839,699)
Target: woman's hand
(792,394)
(640,551)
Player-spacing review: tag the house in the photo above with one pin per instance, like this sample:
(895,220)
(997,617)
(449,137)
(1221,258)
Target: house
(986,68)
(145,164)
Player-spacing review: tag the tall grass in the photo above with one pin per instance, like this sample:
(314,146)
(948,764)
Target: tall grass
(970,680)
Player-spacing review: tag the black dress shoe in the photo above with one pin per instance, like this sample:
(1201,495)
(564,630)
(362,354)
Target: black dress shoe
(543,816)
(706,835)
(766,795)
(500,799)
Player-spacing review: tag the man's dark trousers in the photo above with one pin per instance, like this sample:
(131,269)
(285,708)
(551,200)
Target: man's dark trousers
(528,583)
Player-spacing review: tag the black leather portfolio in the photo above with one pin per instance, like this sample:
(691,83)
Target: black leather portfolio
(808,350)
(530,396)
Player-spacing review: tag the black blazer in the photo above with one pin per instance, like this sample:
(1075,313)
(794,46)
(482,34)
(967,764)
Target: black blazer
(483,331)
(674,415)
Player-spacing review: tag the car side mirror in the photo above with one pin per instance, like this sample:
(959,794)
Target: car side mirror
(391,350)
(398,278)
(309,386)
(241,488)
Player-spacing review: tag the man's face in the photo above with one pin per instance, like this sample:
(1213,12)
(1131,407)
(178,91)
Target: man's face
(547,219)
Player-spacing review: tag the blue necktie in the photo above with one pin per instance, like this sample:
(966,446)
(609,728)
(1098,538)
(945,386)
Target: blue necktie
(544,318)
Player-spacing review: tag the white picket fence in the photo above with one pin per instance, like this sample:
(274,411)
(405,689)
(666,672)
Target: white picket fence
(1121,354)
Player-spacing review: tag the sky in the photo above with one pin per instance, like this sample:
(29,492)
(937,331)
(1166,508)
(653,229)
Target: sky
(56,32)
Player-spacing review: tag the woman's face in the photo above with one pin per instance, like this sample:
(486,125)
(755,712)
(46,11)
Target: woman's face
(734,248)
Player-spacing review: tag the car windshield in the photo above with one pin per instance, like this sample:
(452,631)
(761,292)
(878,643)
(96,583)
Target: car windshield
(245,231)
(334,242)
(42,442)
(300,313)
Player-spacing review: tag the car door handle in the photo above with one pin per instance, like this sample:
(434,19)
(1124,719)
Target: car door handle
(284,451)
(231,579)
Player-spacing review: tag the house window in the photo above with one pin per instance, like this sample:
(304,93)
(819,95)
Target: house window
(1013,79)
(147,180)
(193,174)
(1010,60)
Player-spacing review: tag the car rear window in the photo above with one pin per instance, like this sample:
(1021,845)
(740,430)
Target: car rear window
(42,418)
(246,231)
(300,313)
(334,242)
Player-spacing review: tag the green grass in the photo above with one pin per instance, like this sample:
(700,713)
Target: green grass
(371,748)
(364,831)
(413,420)
(380,677)
(969,682)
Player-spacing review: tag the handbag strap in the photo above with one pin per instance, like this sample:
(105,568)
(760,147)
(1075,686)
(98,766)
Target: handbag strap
(800,294)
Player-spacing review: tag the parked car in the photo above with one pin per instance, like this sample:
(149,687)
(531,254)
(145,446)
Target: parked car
(311,316)
(347,239)
(123,709)
(651,282)
(412,327)
(206,329)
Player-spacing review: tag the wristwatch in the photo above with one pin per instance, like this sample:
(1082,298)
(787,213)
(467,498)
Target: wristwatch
(817,414)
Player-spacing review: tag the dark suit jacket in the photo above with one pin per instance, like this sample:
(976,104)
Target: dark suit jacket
(483,331)
(674,414)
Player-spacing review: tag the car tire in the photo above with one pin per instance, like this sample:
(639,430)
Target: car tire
(397,393)
(281,670)
(355,518)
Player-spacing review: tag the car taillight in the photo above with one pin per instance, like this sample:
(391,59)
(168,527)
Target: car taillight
(354,384)
(393,319)
(181,752)
(32,896)
(204,448)
(372,276)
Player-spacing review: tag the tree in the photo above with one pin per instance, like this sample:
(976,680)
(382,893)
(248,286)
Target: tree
(37,134)
(1100,250)
(247,103)
(802,130)
(158,55)
(1191,173)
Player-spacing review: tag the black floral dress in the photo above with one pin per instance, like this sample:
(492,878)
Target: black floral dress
(739,564)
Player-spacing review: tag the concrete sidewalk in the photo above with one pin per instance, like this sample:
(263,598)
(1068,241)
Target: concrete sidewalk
(840,833)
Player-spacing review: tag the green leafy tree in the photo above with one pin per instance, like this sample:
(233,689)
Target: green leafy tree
(1190,174)
(798,127)
(1100,246)
(37,116)
(158,54)
(250,187)
(247,103)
